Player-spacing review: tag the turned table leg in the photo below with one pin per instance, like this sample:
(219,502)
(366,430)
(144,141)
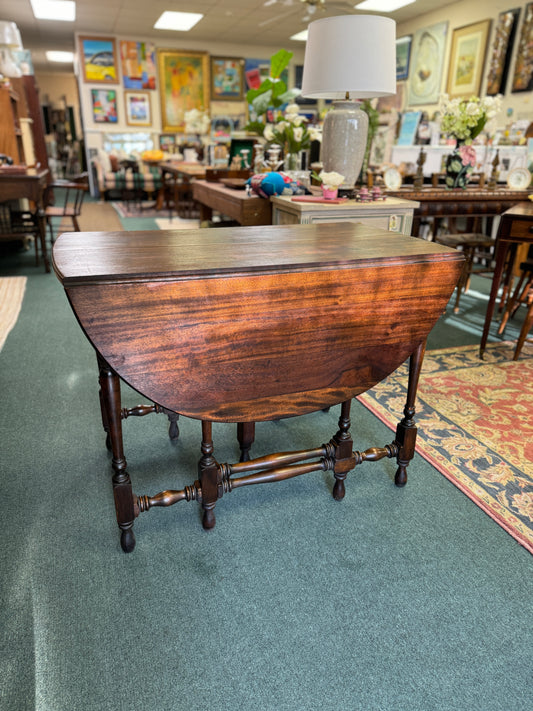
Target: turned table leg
(209,476)
(406,429)
(245,436)
(122,491)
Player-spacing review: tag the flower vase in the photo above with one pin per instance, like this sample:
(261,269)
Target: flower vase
(292,162)
(329,193)
(459,166)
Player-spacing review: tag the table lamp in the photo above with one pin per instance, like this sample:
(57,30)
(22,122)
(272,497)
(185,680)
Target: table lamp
(9,39)
(348,58)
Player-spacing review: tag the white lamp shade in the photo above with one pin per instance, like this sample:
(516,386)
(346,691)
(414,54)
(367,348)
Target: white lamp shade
(10,35)
(350,53)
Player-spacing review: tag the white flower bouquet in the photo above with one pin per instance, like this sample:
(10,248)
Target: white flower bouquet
(464,119)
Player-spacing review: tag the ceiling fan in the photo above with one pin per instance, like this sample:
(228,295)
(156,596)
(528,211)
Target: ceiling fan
(310,8)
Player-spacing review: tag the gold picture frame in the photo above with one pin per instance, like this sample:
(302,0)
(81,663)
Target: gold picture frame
(138,109)
(98,60)
(467,59)
(183,86)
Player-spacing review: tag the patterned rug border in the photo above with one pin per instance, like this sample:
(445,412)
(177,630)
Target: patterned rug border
(12,291)
(456,359)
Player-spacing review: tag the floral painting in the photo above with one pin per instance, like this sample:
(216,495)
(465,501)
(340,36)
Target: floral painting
(523,71)
(183,86)
(500,57)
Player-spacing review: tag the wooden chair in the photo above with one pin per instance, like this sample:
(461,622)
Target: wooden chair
(522,294)
(74,193)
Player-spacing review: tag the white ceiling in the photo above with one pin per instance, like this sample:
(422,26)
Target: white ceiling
(247,22)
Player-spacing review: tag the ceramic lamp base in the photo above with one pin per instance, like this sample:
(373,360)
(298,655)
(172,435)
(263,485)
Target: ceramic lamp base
(344,139)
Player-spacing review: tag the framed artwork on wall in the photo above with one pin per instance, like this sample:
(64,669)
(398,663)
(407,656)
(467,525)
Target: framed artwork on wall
(183,86)
(137,62)
(138,109)
(104,105)
(403,52)
(227,79)
(523,70)
(98,60)
(427,58)
(467,57)
(502,47)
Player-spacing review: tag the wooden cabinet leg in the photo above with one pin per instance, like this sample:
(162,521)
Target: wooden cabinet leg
(406,429)
(245,436)
(122,491)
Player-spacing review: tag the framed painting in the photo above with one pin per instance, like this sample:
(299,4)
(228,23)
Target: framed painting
(183,86)
(426,64)
(523,69)
(467,57)
(227,79)
(403,52)
(137,62)
(502,47)
(104,105)
(98,60)
(138,109)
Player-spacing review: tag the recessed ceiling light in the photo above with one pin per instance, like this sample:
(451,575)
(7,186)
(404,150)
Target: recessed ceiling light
(180,21)
(64,57)
(300,36)
(383,5)
(61,10)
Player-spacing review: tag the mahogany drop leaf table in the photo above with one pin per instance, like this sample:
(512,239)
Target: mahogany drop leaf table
(250,324)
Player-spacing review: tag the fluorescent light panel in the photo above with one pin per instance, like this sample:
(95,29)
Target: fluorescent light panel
(60,10)
(383,5)
(179,21)
(300,36)
(64,57)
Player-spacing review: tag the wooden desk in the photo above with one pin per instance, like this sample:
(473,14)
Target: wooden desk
(31,187)
(246,209)
(394,214)
(253,323)
(516,228)
(471,202)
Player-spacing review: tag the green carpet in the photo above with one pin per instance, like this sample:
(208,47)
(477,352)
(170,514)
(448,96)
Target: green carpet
(394,599)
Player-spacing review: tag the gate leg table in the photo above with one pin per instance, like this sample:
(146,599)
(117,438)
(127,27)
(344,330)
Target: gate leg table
(250,324)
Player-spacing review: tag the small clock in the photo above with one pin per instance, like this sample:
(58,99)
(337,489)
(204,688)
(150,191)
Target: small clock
(392,179)
(519,179)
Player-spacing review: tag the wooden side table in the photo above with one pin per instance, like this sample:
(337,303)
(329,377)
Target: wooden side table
(253,323)
(516,228)
(394,214)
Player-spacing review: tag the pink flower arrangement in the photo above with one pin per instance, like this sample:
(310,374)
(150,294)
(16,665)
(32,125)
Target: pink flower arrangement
(468,155)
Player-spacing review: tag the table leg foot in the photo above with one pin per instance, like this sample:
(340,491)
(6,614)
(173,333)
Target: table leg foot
(209,518)
(127,539)
(400,478)
(339,490)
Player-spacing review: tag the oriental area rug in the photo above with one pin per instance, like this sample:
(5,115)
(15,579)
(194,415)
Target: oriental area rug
(11,295)
(475,426)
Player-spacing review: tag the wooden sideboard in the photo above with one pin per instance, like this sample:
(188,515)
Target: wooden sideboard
(246,324)
(472,202)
